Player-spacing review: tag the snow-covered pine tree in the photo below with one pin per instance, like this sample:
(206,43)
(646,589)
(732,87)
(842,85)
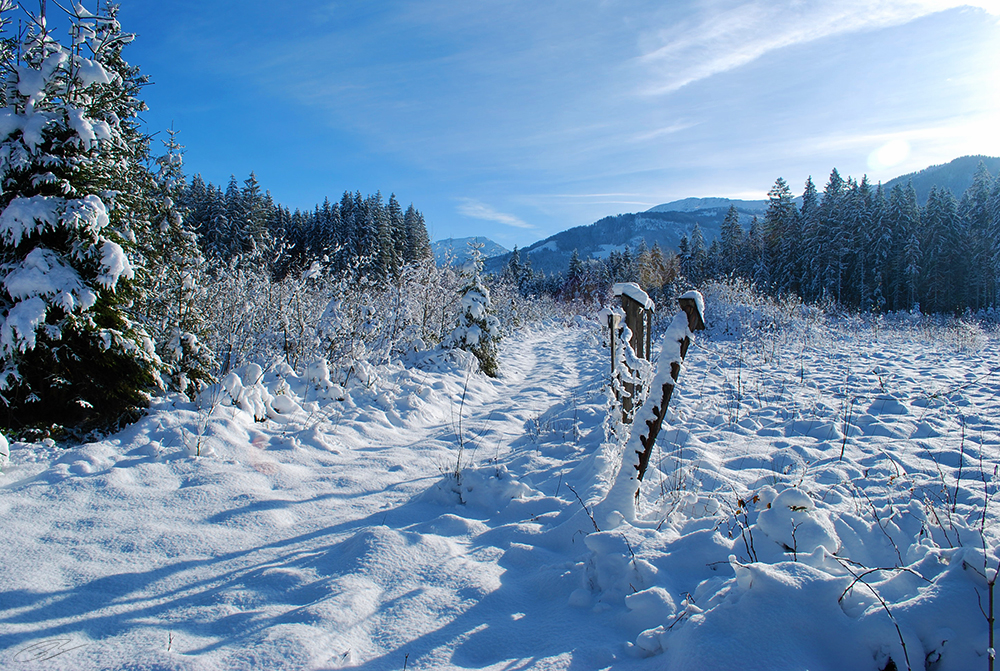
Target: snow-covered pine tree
(68,146)
(880,242)
(974,211)
(477,330)
(170,298)
(829,243)
(943,245)
(418,245)
(397,231)
(732,242)
(782,235)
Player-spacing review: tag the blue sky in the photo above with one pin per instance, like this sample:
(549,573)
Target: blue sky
(516,119)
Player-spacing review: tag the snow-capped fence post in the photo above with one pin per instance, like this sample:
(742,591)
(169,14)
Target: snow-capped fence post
(621,499)
(692,311)
(638,309)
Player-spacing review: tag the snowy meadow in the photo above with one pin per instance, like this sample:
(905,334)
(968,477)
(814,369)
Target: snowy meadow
(237,437)
(821,497)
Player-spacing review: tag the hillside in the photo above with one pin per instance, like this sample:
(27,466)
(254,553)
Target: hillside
(599,239)
(955,175)
(694,204)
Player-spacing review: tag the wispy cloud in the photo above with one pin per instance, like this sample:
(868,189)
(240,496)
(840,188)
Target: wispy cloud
(695,47)
(470,207)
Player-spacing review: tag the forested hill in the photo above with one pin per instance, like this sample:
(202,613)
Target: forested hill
(615,233)
(956,176)
(667,225)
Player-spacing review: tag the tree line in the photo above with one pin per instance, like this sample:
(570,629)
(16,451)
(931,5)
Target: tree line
(860,246)
(365,235)
(864,247)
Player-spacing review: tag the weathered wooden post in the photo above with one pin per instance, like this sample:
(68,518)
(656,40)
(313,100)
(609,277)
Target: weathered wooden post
(623,496)
(688,321)
(638,309)
(613,319)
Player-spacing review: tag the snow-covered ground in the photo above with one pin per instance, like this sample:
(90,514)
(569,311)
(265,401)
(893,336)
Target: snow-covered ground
(335,533)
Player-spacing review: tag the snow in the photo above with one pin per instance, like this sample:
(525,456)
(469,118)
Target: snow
(550,246)
(27,216)
(698,299)
(115,263)
(18,331)
(434,518)
(632,290)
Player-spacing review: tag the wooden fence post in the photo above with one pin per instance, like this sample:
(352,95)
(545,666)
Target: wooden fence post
(691,307)
(638,309)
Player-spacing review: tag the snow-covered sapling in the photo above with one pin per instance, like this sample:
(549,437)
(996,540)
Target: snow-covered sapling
(477,330)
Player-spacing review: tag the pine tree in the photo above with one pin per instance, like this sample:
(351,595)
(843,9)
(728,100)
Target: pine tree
(880,243)
(781,235)
(68,157)
(981,248)
(993,234)
(418,244)
(809,262)
(732,242)
(170,297)
(856,227)
(942,245)
(477,330)
(829,243)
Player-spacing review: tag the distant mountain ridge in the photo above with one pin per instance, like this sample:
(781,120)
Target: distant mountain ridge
(694,204)
(609,234)
(666,224)
(456,250)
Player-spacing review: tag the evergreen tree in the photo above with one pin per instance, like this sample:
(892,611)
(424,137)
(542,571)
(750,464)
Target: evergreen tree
(981,247)
(880,242)
(732,242)
(781,235)
(418,245)
(477,330)
(993,235)
(856,228)
(809,224)
(170,296)
(829,245)
(942,269)
(68,160)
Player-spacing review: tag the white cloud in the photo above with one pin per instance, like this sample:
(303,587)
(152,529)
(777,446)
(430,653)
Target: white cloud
(715,41)
(478,210)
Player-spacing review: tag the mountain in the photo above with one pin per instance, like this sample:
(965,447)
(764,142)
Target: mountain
(666,224)
(454,250)
(599,239)
(694,204)
(956,176)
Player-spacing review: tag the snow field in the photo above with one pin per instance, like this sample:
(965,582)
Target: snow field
(334,532)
